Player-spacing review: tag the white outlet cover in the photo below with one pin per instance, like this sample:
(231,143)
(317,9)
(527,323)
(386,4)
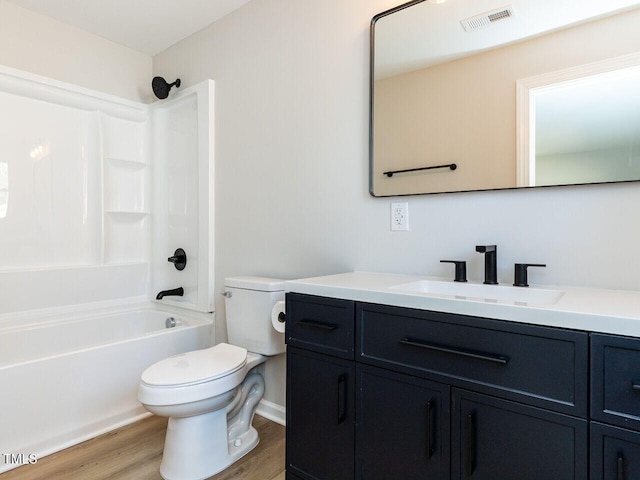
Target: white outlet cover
(399,216)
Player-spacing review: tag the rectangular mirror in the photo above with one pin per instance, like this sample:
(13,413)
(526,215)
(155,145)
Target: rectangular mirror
(477,95)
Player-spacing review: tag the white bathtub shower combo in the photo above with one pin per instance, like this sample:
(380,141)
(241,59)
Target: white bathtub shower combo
(211,395)
(96,192)
(70,376)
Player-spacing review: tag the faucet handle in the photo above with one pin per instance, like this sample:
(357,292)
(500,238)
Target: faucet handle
(461,269)
(520,273)
(179,259)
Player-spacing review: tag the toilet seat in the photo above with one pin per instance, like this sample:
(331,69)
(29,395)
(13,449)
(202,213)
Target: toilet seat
(196,367)
(193,376)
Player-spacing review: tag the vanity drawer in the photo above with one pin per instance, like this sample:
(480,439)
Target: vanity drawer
(537,365)
(320,324)
(615,380)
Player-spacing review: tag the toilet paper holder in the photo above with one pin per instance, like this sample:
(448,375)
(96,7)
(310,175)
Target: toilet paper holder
(278,316)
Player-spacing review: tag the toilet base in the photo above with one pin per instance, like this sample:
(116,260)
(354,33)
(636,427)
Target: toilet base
(201,445)
(193,452)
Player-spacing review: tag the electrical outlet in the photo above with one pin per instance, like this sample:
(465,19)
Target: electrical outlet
(400,217)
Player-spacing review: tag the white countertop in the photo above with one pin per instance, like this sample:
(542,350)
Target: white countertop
(590,309)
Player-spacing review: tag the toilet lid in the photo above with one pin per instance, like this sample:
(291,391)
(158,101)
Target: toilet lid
(196,367)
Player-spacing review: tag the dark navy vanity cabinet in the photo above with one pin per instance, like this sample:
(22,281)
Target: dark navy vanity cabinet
(377,392)
(615,407)
(320,388)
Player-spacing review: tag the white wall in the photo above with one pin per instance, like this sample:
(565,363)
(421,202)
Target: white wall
(38,44)
(292,163)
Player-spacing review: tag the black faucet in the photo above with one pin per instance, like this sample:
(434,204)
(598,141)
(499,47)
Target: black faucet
(165,293)
(490,262)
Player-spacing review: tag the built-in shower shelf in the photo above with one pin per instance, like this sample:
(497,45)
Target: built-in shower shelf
(127,213)
(126,162)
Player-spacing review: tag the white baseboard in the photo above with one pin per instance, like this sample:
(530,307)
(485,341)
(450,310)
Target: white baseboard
(272,411)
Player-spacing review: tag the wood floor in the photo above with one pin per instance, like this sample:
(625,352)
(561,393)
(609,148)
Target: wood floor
(134,453)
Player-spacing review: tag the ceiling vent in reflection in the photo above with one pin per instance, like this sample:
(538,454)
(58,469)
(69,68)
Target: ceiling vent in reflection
(487,18)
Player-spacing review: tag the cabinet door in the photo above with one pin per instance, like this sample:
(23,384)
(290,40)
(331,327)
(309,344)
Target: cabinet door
(615,380)
(320,416)
(615,453)
(496,439)
(403,427)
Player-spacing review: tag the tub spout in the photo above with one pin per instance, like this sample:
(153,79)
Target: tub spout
(176,291)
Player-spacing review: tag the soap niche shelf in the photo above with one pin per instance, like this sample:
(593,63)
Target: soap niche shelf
(126,163)
(125,214)
(126,196)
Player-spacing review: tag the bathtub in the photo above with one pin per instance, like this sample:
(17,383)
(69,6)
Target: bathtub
(69,376)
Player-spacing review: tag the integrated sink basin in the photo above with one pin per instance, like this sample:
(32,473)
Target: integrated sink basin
(481,292)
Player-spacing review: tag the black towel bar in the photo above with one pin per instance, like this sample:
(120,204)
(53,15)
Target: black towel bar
(451,166)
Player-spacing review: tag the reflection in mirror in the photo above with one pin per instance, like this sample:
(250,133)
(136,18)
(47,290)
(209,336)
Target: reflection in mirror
(581,125)
(535,98)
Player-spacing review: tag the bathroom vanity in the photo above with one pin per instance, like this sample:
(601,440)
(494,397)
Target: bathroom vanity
(392,376)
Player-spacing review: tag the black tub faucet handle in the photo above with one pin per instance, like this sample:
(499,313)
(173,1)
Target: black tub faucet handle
(461,269)
(179,259)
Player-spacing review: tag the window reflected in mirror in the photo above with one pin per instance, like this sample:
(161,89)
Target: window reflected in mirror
(585,129)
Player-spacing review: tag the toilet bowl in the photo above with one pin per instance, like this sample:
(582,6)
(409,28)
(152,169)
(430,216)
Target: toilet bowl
(211,395)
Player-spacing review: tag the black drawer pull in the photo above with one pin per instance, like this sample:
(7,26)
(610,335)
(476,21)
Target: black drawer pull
(620,467)
(430,427)
(471,444)
(489,357)
(636,386)
(342,399)
(318,324)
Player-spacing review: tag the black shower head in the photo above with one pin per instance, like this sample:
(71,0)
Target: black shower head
(161,87)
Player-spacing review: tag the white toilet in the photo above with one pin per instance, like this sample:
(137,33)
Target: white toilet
(210,395)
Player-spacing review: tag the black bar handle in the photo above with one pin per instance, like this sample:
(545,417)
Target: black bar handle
(636,386)
(520,273)
(461,269)
(317,324)
(620,467)
(342,398)
(429,427)
(487,357)
(390,173)
(471,444)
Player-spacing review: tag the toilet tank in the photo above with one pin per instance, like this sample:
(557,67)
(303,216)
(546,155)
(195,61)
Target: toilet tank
(248,304)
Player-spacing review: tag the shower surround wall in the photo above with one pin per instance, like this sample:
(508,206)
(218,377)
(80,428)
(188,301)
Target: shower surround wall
(183,200)
(74,194)
(77,170)
(96,192)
